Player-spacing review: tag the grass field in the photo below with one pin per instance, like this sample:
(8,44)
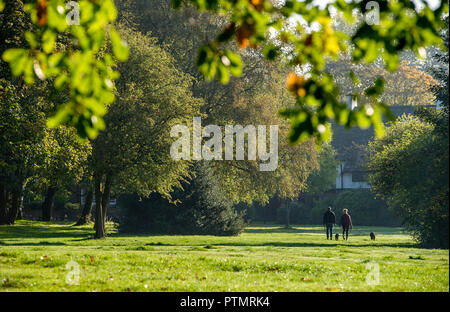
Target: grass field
(34,256)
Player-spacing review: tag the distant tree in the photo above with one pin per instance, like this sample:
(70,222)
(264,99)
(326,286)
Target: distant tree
(438,66)
(64,162)
(409,169)
(324,179)
(407,85)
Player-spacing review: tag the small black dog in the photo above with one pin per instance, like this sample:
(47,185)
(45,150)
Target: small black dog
(336,237)
(372,235)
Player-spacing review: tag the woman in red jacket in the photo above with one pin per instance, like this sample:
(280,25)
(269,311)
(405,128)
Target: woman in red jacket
(346,222)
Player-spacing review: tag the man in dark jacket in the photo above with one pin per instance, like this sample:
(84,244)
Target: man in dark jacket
(346,223)
(329,220)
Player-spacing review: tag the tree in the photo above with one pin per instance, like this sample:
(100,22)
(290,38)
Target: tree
(133,155)
(22,128)
(409,169)
(324,179)
(64,163)
(407,85)
(437,66)
(22,117)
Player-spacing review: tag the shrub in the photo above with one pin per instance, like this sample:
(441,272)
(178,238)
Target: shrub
(202,209)
(363,207)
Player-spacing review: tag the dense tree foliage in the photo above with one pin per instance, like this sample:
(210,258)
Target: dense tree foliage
(133,155)
(402,25)
(409,169)
(64,162)
(202,208)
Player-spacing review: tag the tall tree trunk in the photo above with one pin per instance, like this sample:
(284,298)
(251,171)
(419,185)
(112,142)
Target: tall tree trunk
(87,209)
(20,212)
(99,225)
(287,208)
(101,205)
(105,197)
(3,205)
(47,205)
(15,205)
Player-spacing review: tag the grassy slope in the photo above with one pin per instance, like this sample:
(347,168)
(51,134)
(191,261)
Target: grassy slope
(33,257)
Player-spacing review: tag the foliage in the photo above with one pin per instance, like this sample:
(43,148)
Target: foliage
(437,66)
(65,157)
(133,155)
(324,179)
(254,98)
(153,96)
(203,209)
(402,26)
(364,208)
(409,169)
(408,85)
(82,67)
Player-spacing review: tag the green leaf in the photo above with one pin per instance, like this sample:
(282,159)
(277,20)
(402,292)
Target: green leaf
(120,48)
(176,4)
(48,41)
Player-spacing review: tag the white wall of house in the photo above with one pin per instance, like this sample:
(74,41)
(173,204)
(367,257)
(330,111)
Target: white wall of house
(345,180)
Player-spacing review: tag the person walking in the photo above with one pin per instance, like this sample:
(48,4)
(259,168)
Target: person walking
(329,220)
(346,223)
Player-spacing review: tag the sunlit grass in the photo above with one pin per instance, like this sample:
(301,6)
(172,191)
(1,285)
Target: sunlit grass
(34,255)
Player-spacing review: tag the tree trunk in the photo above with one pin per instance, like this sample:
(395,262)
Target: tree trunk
(101,205)
(287,208)
(87,209)
(105,197)
(20,212)
(47,205)
(15,206)
(99,225)
(3,206)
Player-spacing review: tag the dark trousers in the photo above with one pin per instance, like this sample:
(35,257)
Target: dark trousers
(330,230)
(345,232)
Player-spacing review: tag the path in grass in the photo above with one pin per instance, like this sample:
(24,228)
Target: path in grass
(34,257)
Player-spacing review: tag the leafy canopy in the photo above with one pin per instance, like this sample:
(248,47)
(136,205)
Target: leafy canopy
(86,68)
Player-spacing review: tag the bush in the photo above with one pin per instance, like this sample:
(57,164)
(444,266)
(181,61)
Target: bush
(364,208)
(203,209)
(409,169)
(362,205)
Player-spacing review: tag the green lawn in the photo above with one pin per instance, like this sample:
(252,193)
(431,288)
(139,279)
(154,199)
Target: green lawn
(34,255)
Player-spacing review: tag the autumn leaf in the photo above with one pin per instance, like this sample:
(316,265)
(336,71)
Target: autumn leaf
(243,35)
(42,12)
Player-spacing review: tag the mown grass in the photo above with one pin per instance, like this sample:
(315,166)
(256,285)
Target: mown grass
(34,256)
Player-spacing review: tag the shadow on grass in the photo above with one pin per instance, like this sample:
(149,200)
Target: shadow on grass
(30,229)
(314,229)
(44,230)
(33,244)
(336,244)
